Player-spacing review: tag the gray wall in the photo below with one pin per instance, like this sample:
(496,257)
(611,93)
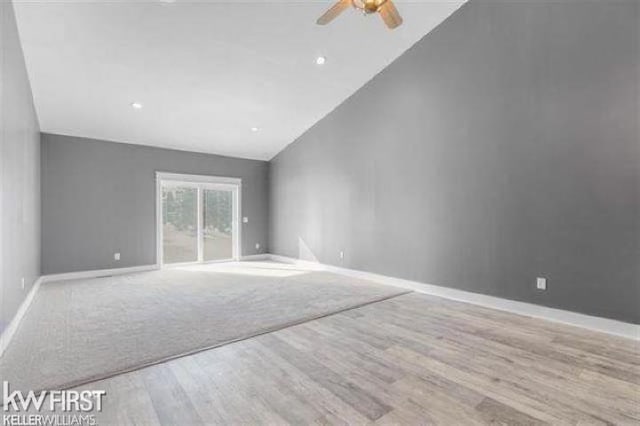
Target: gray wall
(19,173)
(501,147)
(98,198)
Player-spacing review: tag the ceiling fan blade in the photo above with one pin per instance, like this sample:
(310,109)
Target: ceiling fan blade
(390,15)
(333,12)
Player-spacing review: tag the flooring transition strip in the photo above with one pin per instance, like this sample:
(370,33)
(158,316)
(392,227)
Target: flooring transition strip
(217,345)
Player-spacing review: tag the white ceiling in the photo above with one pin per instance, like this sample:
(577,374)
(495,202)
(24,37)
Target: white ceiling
(206,72)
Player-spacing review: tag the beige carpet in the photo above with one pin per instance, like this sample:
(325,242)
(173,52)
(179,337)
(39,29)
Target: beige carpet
(84,330)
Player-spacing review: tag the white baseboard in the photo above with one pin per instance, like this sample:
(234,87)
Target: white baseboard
(252,257)
(97,273)
(7,334)
(604,325)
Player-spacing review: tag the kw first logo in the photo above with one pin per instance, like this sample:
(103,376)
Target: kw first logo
(66,401)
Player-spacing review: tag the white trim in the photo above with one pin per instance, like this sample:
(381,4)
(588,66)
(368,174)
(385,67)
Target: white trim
(159,236)
(199,224)
(604,325)
(201,183)
(252,257)
(197,178)
(8,333)
(237,219)
(97,273)
(317,266)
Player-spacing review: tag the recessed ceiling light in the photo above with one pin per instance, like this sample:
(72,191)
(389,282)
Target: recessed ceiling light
(254,129)
(320,60)
(136,105)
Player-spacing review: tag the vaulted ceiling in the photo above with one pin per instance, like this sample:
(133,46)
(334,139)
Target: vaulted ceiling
(226,77)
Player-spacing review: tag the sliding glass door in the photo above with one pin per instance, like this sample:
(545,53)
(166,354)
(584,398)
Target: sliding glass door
(198,219)
(179,224)
(217,224)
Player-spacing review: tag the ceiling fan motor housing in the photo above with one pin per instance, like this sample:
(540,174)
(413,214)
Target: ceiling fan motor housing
(368,6)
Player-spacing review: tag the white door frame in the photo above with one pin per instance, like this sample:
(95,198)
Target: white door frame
(200,182)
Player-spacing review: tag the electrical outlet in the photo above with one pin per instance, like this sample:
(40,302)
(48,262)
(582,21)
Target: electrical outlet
(541,283)
(257,246)
(22,282)
(341,255)
(245,220)
(116,256)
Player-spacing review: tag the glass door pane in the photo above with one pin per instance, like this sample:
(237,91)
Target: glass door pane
(179,224)
(217,224)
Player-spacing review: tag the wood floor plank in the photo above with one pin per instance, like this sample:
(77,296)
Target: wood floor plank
(335,410)
(495,412)
(547,390)
(444,400)
(368,405)
(289,405)
(171,403)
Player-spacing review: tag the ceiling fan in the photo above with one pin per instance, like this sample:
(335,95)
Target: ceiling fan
(387,11)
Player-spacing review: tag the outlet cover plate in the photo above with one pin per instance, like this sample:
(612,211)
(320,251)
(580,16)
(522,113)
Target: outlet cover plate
(541,283)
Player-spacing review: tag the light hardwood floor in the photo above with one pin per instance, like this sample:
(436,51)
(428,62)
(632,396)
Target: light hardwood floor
(413,359)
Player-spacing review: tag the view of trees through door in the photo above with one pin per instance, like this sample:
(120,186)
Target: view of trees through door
(218,211)
(197,224)
(179,224)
